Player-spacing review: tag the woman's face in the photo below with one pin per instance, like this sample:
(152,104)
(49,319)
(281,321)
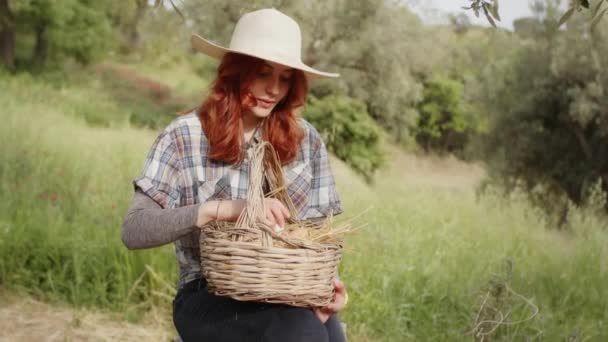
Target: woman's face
(269,87)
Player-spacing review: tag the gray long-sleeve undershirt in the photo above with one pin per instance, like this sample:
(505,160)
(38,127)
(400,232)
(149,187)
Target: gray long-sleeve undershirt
(148,225)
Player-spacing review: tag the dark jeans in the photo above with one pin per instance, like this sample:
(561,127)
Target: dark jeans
(200,316)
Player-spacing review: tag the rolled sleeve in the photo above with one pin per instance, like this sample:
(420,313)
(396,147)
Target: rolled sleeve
(323,199)
(160,178)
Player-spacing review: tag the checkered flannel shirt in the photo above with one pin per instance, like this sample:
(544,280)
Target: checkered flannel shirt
(178,173)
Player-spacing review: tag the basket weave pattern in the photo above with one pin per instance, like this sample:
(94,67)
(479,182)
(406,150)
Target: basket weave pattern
(249,261)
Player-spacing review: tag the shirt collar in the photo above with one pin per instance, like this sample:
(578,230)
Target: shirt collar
(257,135)
(256,138)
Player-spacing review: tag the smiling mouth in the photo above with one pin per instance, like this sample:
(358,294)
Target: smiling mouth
(268,102)
(265,103)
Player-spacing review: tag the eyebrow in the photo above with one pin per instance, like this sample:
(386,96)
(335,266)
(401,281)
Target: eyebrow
(271,67)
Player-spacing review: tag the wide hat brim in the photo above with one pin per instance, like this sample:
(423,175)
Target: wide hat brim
(207,47)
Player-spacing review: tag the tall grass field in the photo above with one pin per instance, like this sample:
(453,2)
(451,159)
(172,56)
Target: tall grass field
(432,263)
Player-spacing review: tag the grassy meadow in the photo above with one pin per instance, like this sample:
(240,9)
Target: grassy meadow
(435,261)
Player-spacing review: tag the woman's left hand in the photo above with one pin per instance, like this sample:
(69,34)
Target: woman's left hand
(335,306)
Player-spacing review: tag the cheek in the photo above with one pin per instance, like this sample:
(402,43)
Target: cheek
(283,90)
(256,88)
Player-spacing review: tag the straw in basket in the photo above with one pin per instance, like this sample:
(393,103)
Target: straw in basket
(249,261)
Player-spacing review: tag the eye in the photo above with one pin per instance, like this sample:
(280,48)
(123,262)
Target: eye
(264,74)
(287,77)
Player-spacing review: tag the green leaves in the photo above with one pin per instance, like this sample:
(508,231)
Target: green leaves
(547,132)
(445,121)
(597,19)
(348,131)
(566,16)
(597,8)
(597,15)
(78,29)
(578,5)
(491,12)
(489,8)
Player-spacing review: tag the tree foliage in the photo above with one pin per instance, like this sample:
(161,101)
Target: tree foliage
(46,29)
(446,121)
(541,90)
(348,131)
(549,117)
(491,12)
(370,58)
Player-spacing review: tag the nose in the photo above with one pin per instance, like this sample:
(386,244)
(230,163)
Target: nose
(273,86)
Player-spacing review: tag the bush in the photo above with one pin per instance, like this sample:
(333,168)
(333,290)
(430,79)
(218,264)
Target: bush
(348,131)
(445,121)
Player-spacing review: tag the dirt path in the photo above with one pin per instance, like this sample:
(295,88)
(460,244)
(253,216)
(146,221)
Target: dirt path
(28,320)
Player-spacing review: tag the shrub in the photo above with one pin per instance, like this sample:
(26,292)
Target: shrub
(348,131)
(445,121)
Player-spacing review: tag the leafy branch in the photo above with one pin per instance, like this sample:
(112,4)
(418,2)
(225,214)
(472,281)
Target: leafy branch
(158,3)
(490,10)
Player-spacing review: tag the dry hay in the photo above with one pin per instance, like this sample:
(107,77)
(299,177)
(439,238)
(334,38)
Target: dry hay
(313,234)
(497,307)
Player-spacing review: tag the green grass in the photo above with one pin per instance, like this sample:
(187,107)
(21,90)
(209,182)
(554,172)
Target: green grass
(417,272)
(64,188)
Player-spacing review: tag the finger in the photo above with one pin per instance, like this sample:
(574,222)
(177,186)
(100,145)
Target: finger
(278,215)
(278,204)
(339,297)
(270,220)
(339,286)
(337,304)
(321,314)
(284,210)
(317,312)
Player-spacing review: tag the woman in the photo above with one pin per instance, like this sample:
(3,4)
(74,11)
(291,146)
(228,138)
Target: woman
(197,171)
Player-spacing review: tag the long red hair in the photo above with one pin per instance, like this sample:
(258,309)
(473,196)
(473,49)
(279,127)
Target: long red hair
(229,97)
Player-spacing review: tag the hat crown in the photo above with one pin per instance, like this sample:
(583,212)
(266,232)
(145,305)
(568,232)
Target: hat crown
(268,31)
(266,34)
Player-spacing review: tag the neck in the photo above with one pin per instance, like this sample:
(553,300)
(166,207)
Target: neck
(250,123)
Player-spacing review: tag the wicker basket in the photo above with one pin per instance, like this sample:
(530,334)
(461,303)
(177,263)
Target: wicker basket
(249,261)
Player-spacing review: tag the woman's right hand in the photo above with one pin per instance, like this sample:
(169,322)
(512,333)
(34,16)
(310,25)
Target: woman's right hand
(276,213)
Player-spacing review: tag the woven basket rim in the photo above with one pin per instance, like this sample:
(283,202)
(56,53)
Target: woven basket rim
(236,268)
(256,245)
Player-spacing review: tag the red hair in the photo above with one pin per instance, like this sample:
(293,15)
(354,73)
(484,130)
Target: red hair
(229,97)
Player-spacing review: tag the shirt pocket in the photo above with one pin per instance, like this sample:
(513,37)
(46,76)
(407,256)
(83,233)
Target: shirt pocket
(299,181)
(214,189)
(211,189)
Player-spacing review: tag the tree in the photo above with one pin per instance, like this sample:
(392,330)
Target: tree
(126,17)
(348,132)
(7,35)
(548,112)
(79,29)
(460,22)
(371,59)
(491,12)
(446,121)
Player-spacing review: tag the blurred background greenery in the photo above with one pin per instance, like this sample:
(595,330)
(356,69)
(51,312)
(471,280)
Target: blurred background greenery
(508,243)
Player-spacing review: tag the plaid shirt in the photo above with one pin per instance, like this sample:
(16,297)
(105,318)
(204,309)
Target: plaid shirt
(178,173)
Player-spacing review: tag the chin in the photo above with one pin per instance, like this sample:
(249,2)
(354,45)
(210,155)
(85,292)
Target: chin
(261,112)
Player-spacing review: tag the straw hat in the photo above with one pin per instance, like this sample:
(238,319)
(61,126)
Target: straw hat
(267,34)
